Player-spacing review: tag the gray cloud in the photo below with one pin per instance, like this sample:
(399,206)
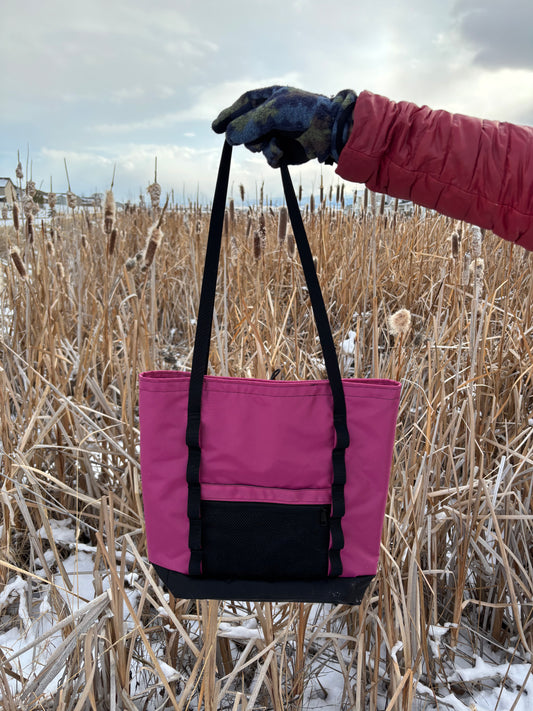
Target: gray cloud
(94,84)
(499,32)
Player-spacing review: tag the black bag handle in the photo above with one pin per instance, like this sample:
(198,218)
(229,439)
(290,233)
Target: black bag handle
(201,356)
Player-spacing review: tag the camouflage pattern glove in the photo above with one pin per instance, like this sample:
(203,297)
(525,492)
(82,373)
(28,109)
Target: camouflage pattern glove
(289,125)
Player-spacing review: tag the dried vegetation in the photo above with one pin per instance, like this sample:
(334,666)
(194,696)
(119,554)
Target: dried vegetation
(91,299)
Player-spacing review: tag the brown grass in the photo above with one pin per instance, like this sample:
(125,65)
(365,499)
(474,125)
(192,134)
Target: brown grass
(458,535)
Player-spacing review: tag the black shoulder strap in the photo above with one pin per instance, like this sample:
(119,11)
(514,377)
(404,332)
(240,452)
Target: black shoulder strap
(201,356)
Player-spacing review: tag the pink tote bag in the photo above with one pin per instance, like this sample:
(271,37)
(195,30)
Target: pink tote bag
(264,490)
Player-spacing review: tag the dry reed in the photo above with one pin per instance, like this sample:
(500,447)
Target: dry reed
(456,571)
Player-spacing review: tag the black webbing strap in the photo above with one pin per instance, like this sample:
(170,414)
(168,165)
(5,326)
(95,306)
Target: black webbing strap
(332,369)
(201,356)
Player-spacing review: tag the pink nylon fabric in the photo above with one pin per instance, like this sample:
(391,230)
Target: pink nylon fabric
(265,440)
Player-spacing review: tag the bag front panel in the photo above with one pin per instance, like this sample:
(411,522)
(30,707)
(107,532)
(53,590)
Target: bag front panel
(267,442)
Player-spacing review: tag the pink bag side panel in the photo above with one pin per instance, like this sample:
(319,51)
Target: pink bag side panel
(372,426)
(267,441)
(163,419)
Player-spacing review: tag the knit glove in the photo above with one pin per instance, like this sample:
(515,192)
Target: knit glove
(289,125)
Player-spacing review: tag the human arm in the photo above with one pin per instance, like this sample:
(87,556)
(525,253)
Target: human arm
(470,169)
(467,168)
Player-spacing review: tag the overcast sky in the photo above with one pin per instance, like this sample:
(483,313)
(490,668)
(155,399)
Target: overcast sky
(111,82)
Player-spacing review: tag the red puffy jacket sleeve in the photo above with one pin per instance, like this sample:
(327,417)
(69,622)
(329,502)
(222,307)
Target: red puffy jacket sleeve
(470,169)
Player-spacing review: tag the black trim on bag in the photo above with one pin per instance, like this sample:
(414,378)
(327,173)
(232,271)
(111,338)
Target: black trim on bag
(201,356)
(337,591)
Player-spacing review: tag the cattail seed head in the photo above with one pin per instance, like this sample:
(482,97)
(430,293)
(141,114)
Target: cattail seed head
(300,193)
(109,212)
(477,239)
(257,244)
(60,271)
(154,191)
(72,200)
(456,242)
(131,263)
(52,199)
(31,188)
(29,228)
(291,246)
(4,212)
(400,322)
(248,227)
(27,204)
(241,190)
(477,271)
(232,214)
(18,172)
(467,260)
(17,261)
(154,238)
(282,225)
(111,242)
(382,205)
(312,203)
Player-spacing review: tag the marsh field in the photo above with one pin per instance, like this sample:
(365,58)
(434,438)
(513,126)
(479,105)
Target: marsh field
(94,295)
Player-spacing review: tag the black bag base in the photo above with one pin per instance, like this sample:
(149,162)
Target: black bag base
(337,591)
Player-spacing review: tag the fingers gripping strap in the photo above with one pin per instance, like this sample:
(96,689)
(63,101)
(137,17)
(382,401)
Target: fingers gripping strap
(201,355)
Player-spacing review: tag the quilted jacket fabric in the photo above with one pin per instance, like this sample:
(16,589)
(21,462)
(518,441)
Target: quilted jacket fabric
(467,168)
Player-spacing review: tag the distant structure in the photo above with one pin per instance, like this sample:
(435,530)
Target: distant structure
(8,192)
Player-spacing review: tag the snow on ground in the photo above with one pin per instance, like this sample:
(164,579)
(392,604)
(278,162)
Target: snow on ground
(32,635)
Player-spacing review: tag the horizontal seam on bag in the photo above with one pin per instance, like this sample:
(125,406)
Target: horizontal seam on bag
(268,488)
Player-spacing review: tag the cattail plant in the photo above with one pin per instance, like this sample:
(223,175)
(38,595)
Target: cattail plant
(18,171)
(477,272)
(109,212)
(262,230)
(29,228)
(72,200)
(291,246)
(111,242)
(31,188)
(154,238)
(477,239)
(400,322)
(155,235)
(282,225)
(232,214)
(456,243)
(16,224)
(17,261)
(467,260)
(4,212)
(312,203)
(241,191)
(154,191)
(399,326)
(27,205)
(257,244)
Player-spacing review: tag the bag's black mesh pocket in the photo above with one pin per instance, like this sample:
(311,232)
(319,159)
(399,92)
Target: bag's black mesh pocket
(257,541)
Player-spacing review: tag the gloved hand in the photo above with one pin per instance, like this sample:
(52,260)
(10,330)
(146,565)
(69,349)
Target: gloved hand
(289,125)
